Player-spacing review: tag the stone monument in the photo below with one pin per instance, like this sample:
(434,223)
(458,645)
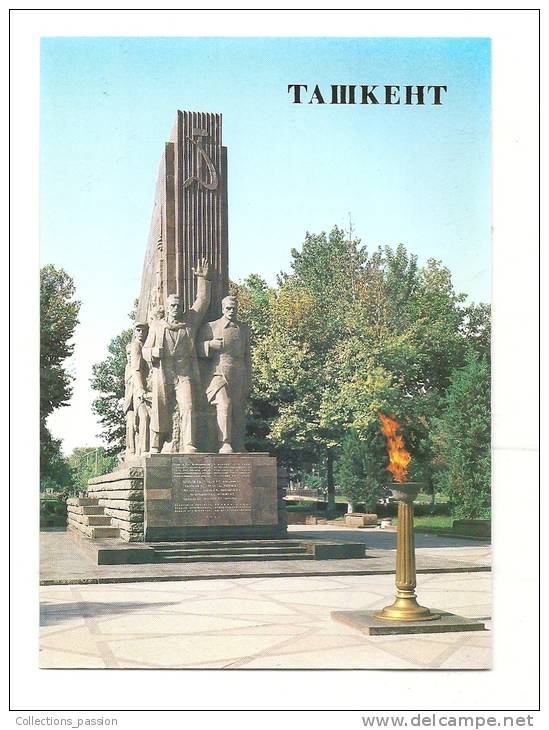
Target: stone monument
(186,474)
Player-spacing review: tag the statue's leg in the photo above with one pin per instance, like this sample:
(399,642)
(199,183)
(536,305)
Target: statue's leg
(143,437)
(223,410)
(130,433)
(239,416)
(184,396)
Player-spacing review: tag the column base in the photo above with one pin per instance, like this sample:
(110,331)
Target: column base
(406,609)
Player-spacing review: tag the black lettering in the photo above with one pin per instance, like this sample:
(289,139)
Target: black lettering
(297,92)
(418,93)
(368,96)
(437,90)
(339,94)
(390,92)
(317,95)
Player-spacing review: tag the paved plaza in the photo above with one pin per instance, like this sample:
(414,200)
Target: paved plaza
(204,619)
(261,623)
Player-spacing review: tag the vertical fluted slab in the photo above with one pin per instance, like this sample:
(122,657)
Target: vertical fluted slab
(189,219)
(201,201)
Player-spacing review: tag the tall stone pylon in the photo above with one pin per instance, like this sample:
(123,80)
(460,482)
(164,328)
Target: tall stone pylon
(189,219)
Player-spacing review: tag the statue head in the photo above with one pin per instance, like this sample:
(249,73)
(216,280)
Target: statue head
(173,304)
(229,306)
(140,330)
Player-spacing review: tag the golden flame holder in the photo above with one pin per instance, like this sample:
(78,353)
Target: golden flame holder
(405,606)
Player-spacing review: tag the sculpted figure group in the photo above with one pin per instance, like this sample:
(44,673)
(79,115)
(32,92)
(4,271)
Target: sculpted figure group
(164,387)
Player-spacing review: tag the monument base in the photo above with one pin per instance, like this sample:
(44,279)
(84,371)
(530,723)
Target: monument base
(211,497)
(177,497)
(368,623)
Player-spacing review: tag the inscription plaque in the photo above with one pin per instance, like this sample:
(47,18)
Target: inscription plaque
(213,487)
(186,492)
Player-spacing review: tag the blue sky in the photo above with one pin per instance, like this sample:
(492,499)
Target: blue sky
(410,174)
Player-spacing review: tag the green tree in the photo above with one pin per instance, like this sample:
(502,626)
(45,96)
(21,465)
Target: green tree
(359,476)
(308,321)
(404,340)
(255,301)
(58,319)
(55,471)
(108,380)
(87,462)
(347,334)
(461,440)
(477,328)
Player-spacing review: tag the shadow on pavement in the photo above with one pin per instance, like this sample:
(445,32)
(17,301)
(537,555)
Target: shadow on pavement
(56,613)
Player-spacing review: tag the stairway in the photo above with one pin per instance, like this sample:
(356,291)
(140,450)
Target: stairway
(231,551)
(86,516)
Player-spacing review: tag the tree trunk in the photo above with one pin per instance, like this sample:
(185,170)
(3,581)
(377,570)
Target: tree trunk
(432,487)
(330,507)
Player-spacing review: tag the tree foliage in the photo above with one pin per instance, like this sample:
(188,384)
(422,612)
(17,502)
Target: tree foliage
(461,439)
(108,380)
(87,462)
(347,333)
(58,319)
(358,474)
(55,471)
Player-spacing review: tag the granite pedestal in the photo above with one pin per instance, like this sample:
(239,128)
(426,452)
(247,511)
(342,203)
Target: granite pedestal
(368,623)
(211,497)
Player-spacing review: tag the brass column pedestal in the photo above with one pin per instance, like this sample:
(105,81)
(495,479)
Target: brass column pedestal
(405,615)
(405,606)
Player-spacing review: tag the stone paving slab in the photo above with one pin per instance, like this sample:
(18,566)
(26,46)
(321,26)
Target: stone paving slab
(63,562)
(259,623)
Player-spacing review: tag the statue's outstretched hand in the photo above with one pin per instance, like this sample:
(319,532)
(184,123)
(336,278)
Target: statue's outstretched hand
(203,269)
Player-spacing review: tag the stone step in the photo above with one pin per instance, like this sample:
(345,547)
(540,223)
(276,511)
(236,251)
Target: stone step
(74,514)
(93,509)
(159,558)
(97,520)
(91,531)
(190,552)
(221,544)
(97,533)
(82,501)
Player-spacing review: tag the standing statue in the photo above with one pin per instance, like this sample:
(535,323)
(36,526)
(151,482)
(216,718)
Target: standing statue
(141,397)
(129,413)
(226,344)
(170,350)
(136,397)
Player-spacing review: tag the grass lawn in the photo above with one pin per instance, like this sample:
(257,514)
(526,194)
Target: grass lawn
(435,522)
(440,498)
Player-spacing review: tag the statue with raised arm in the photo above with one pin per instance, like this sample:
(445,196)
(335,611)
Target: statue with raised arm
(170,349)
(226,344)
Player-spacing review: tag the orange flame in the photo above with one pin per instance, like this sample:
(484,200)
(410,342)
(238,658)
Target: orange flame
(399,458)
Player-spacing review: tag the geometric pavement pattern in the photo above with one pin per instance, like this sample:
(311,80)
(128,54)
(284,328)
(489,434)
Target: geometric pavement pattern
(252,623)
